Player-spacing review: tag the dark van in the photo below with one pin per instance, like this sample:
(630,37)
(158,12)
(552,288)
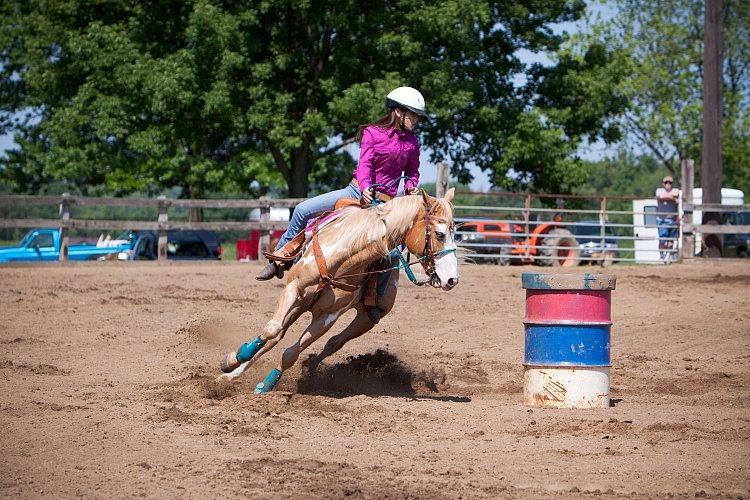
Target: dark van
(735,244)
(181,245)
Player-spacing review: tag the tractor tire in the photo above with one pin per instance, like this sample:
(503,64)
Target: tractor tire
(569,256)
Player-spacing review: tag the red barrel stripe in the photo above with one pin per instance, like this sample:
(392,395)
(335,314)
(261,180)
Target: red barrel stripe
(568,306)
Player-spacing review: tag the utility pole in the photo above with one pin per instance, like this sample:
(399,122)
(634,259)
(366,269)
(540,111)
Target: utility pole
(712,104)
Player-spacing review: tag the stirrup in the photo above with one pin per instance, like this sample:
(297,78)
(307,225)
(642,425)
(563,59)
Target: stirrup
(370,297)
(278,258)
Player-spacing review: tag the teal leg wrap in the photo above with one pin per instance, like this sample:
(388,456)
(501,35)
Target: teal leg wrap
(247,351)
(269,382)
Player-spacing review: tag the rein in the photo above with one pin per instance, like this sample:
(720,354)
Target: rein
(377,201)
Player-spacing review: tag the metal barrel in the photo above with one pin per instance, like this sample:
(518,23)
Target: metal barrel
(567,338)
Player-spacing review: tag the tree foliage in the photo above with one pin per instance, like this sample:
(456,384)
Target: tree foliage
(664,39)
(240,95)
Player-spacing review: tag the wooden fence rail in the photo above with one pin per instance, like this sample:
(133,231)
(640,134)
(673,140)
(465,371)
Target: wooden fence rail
(716,228)
(162,224)
(264,225)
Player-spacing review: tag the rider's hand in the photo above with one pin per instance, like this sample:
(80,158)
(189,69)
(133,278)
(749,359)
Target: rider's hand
(367,195)
(412,190)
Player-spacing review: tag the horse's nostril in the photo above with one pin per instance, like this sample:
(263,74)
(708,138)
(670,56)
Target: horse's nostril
(452,282)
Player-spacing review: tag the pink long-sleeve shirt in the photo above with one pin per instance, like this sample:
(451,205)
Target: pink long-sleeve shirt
(386,155)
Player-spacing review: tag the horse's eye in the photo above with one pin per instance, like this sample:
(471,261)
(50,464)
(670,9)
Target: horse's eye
(440,236)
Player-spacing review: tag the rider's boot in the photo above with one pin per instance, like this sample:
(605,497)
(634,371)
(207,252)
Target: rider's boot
(370,299)
(375,313)
(375,290)
(272,269)
(286,255)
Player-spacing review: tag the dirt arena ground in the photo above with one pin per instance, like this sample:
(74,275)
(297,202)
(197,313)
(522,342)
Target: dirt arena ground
(107,378)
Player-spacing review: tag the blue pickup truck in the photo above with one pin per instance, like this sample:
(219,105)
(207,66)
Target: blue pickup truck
(44,245)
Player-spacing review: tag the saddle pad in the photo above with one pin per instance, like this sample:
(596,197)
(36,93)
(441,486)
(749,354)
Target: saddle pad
(321,223)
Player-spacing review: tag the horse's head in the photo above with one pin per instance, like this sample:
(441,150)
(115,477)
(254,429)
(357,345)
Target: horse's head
(431,238)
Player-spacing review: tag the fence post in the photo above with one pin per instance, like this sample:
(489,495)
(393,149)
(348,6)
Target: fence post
(603,231)
(688,238)
(64,219)
(526,216)
(441,184)
(264,239)
(163,219)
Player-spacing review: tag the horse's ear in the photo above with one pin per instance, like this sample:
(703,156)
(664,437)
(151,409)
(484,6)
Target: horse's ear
(449,195)
(427,199)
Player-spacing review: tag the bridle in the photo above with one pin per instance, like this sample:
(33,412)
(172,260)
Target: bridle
(428,256)
(427,259)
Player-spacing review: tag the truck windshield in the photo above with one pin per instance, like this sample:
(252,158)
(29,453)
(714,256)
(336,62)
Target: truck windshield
(26,239)
(39,240)
(44,240)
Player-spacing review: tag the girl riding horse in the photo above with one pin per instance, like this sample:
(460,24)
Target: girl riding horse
(389,149)
(329,276)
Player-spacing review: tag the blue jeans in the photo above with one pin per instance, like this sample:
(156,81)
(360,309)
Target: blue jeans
(312,207)
(666,232)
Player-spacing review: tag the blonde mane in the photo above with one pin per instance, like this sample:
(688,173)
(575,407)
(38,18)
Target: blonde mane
(356,228)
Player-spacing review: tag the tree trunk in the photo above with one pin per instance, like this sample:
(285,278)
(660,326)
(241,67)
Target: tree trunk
(195,214)
(301,167)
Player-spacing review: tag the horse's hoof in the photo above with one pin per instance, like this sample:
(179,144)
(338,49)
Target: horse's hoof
(230,363)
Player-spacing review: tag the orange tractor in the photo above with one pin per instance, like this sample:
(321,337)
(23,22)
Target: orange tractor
(544,244)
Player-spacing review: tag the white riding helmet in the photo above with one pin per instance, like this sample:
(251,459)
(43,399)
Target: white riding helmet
(406,97)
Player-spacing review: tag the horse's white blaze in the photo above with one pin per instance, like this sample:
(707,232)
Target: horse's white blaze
(446,264)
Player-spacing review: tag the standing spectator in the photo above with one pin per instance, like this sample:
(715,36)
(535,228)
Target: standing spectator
(667,198)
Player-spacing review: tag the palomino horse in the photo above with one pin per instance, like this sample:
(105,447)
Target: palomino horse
(330,283)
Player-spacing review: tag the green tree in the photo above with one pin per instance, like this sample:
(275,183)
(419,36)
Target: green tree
(665,41)
(210,96)
(736,116)
(624,174)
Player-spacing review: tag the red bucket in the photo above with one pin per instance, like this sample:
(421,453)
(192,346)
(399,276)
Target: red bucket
(245,250)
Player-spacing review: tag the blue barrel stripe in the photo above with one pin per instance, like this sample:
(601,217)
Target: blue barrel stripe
(555,345)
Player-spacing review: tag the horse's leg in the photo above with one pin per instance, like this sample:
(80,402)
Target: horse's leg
(321,323)
(288,310)
(361,324)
